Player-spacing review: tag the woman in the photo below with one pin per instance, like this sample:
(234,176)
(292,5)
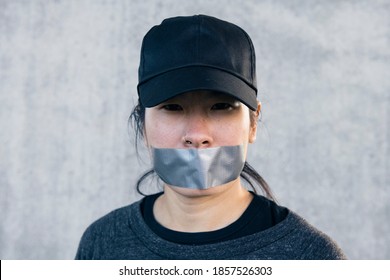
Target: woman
(198,113)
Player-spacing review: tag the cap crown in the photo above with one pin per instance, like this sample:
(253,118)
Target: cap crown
(197,41)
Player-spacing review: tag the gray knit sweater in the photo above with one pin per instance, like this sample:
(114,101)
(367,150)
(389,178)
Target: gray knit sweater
(123,234)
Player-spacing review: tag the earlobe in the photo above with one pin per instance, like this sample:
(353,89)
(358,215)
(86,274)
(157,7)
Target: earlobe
(258,111)
(252,133)
(253,129)
(252,138)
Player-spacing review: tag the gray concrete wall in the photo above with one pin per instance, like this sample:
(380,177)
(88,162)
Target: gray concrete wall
(68,75)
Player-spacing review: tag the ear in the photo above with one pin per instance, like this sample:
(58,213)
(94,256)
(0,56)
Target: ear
(253,127)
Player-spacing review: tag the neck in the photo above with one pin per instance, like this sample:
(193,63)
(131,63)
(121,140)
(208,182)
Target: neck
(201,210)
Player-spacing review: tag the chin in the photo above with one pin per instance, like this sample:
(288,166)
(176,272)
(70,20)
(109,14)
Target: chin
(199,193)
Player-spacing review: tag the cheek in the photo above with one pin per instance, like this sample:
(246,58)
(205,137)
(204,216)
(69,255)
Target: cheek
(246,132)
(160,133)
(233,131)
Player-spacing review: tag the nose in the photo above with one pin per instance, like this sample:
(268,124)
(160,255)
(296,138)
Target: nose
(197,133)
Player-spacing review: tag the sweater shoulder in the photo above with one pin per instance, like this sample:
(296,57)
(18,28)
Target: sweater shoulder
(314,244)
(105,230)
(110,223)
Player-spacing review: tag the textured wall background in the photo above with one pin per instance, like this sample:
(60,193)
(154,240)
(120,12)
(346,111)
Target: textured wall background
(68,75)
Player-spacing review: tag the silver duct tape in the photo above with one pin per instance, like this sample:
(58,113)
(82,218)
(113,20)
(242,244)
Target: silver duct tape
(199,168)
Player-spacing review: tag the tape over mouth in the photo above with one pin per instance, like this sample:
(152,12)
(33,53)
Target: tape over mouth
(199,168)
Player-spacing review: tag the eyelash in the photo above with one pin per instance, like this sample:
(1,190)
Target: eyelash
(172,107)
(222,106)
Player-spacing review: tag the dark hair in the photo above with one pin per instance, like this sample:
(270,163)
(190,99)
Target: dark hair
(249,174)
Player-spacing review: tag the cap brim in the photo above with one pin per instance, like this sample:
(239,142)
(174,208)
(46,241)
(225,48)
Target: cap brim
(172,83)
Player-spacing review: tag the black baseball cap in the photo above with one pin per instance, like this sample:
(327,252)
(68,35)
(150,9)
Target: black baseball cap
(192,53)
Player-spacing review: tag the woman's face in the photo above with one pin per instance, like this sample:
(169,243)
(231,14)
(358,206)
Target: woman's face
(200,119)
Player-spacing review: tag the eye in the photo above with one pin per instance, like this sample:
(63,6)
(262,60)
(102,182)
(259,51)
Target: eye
(172,107)
(222,106)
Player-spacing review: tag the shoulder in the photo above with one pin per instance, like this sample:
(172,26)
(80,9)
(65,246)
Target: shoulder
(106,230)
(113,221)
(313,243)
(291,237)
